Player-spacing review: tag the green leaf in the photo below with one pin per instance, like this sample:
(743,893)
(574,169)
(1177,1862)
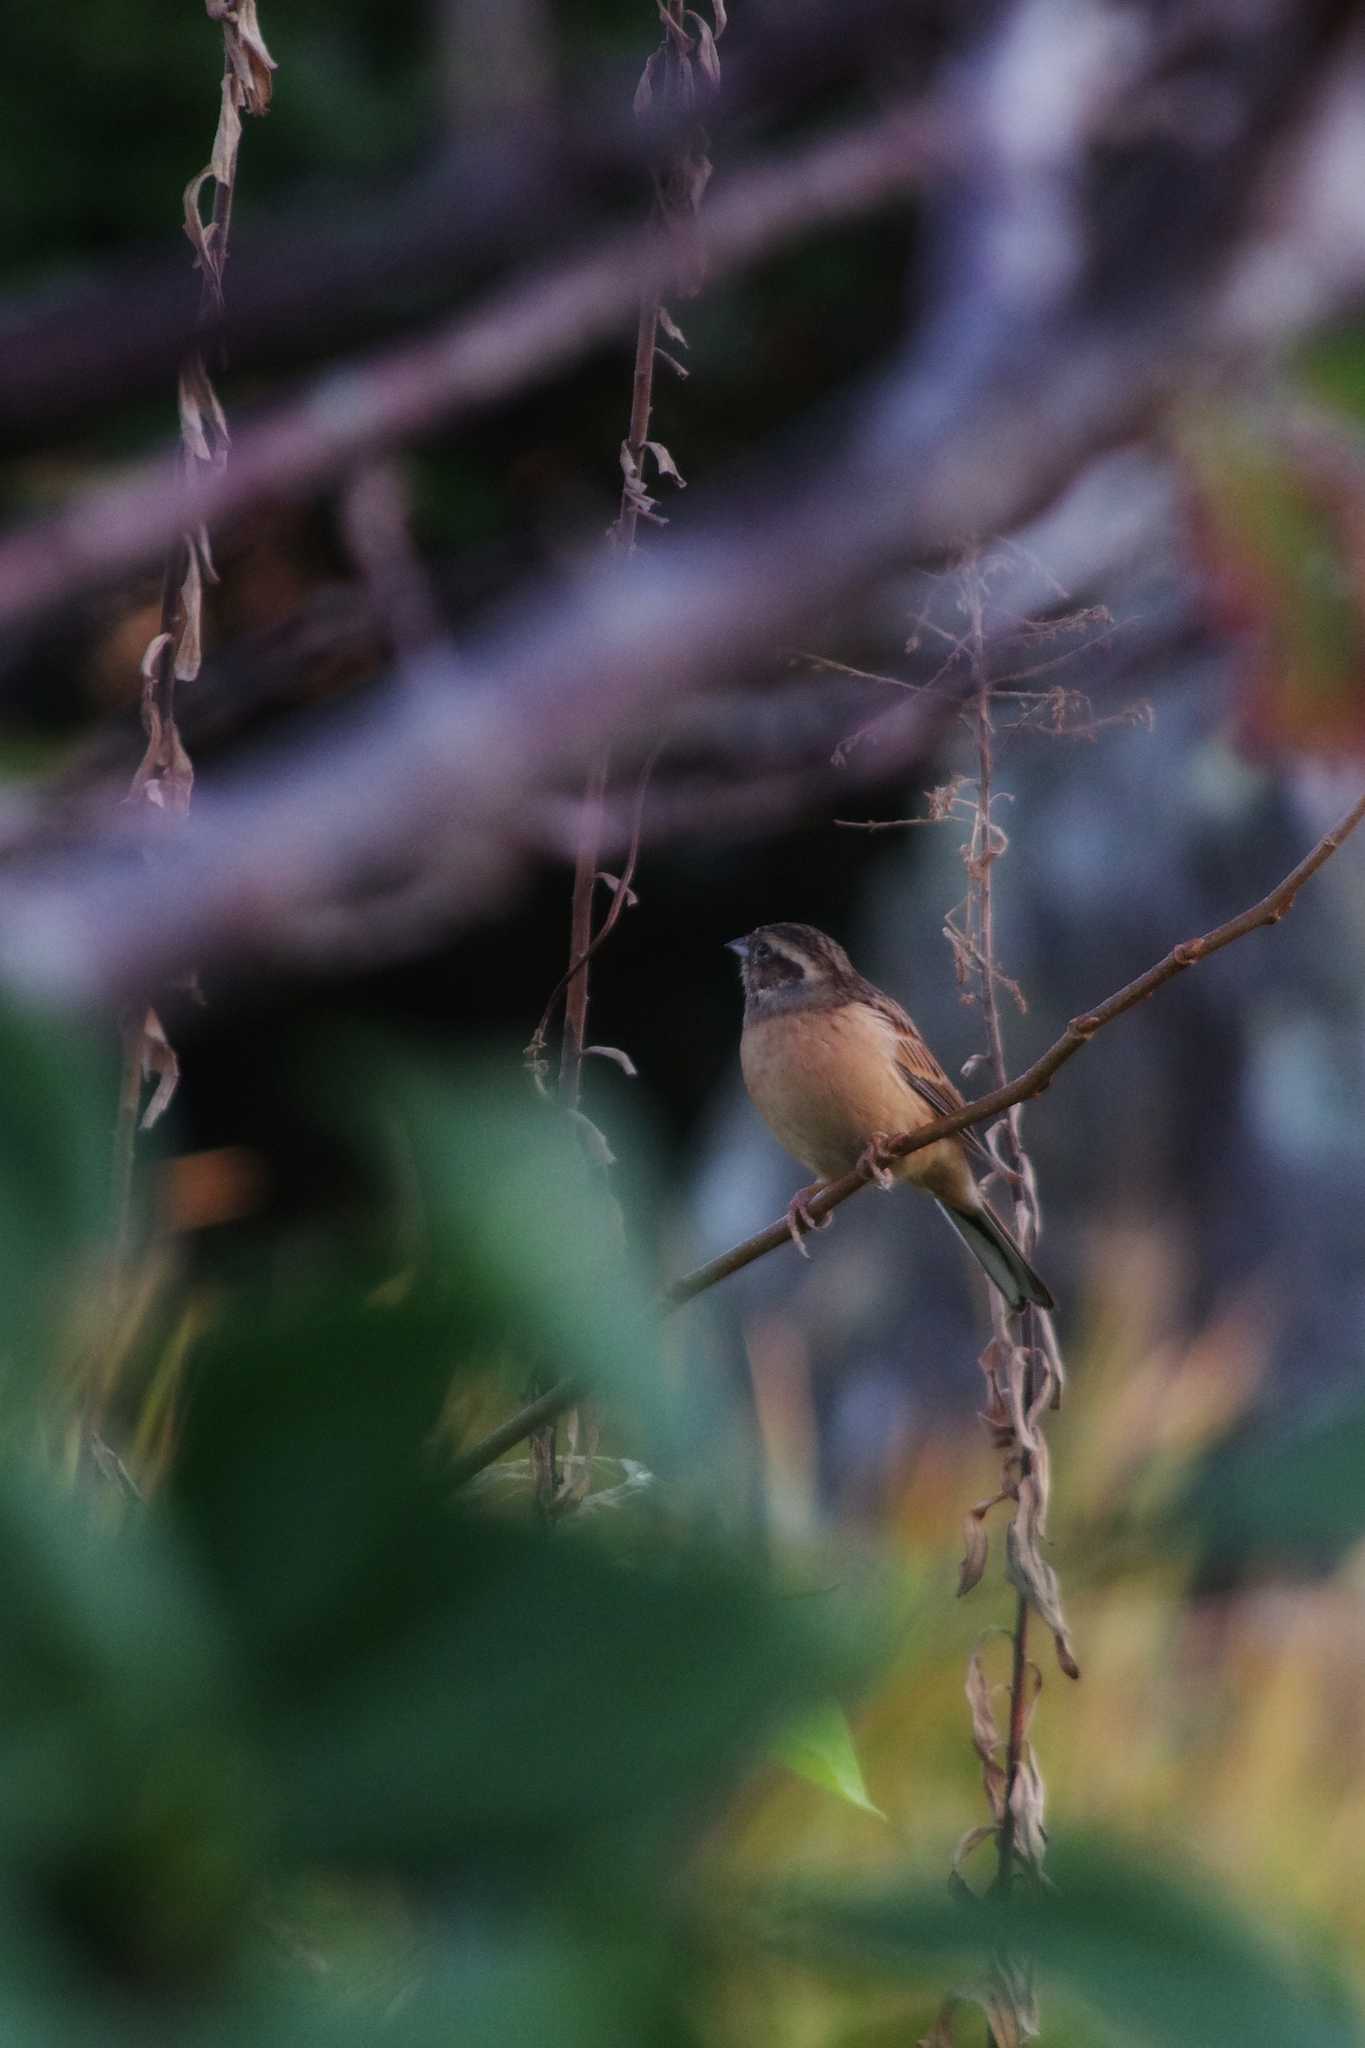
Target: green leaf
(523,1239)
(57,1111)
(820,1748)
(1171,1962)
(1295,1501)
(133,1818)
(432,1683)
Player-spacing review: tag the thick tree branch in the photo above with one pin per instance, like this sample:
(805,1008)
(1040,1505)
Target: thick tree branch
(525,333)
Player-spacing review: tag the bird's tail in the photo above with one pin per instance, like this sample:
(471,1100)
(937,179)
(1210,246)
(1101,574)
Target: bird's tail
(998,1256)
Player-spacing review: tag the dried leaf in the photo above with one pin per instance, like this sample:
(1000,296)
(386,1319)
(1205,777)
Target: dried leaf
(1031,1575)
(158,1061)
(223,162)
(593,1140)
(644,91)
(975,1550)
(613,1052)
(1028,1799)
(614,884)
(678,369)
(971,1841)
(674,31)
(671,327)
(665,464)
(194,224)
(708,57)
(156,647)
(189,646)
(720,17)
(246,52)
(986,1737)
(203,423)
(1010,2002)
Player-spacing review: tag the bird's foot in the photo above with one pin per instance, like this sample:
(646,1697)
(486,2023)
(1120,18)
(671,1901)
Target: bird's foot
(800,1221)
(876,1161)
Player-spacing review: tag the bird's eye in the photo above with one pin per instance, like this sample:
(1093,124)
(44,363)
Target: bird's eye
(762,951)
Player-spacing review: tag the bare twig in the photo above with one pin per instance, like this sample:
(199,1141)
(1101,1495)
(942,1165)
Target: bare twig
(164,777)
(673,73)
(1032,1082)
(1038,1077)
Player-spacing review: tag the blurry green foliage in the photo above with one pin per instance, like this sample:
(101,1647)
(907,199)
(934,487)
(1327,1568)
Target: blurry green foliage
(1157,1959)
(1287,1501)
(310,1668)
(55,1223)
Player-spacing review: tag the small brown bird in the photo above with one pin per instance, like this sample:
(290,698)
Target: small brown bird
(836,1068)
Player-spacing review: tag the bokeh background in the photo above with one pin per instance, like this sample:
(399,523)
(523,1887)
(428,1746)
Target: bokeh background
(301,1743)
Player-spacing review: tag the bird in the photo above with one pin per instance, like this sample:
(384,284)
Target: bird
(836,1068)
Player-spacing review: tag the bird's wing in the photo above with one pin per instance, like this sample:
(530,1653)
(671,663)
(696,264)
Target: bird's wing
(928,1078)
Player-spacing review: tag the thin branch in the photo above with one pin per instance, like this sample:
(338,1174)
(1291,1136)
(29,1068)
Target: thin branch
(621,897)
(535,1415)
(1033,1081)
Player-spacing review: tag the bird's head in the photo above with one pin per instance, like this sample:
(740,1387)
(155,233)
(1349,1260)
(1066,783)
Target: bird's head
(784,965)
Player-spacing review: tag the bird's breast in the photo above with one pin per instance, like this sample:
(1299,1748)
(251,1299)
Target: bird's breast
(826,1081)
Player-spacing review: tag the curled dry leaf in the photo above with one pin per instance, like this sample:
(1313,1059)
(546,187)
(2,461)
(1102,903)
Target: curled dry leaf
(198,230)
(223,162)
(975,1550)
(1009,2000)
(986,1737)
(1028,1800)
(156,647)
(615,884)
(1034,1578)
(592,1139)
(665,464)
(204,431)
(708,58)
(159,1062)
(614,1053)
(189,645)
(244,45)
(971,1841)
(671,327)
(644,91)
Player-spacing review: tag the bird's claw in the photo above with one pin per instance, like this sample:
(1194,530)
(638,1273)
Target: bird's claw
(800,1221)
(876,1162)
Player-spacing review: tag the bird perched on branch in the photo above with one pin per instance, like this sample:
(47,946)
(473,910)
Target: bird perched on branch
(837,1069)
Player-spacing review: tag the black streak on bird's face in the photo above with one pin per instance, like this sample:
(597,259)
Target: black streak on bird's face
(773,966)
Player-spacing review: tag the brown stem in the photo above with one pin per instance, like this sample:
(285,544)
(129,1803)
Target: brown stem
(580,934)
(537,1414)
(983,905)
(620,898)
(1035,1079)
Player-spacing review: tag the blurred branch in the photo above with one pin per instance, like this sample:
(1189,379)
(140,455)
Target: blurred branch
(1026,369)
(525,332)
(527,184)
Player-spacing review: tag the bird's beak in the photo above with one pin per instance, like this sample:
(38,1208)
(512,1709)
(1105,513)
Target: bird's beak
(740,946)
